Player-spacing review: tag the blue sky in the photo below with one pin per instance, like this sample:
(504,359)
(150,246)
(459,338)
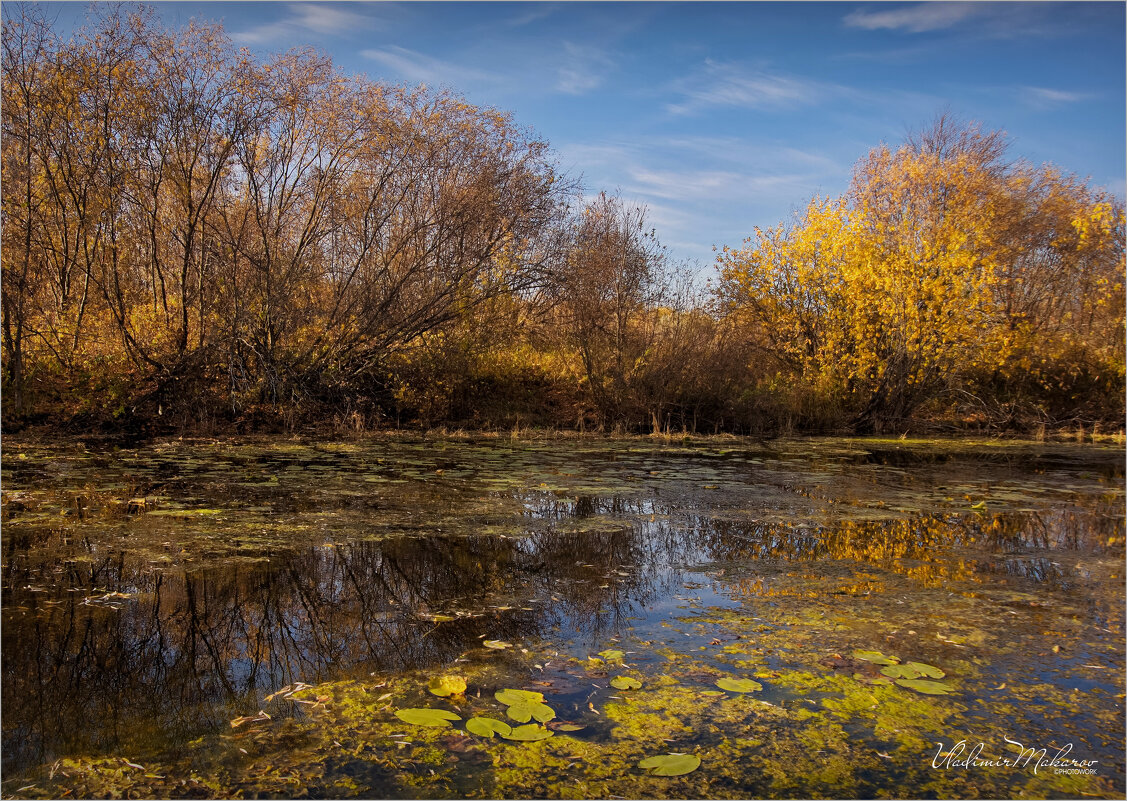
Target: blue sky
(723,116)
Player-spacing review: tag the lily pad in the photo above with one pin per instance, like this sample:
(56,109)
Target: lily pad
(926,686)
(510,697)
(529,733)
(930,671)
(487,727)
(876,657)
(912,670)
(670,764)
(625,683)
(447,685)
(426,717)
(612,655)
(527,710)
(739,685)
(497,644)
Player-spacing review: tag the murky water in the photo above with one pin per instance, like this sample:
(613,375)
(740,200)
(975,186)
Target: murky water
(152,597)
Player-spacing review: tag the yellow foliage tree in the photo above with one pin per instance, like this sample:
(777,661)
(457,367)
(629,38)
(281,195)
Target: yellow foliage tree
(942,262)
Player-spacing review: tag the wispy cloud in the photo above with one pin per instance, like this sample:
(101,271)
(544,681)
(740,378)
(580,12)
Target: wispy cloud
(537,12)
(323,18)
(916,18)
(421,68)
(734,85)
(585,69)
(682,184)
(1042,97)
(724,185)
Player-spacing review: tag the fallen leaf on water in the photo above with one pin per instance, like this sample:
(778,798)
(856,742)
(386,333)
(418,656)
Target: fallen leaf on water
(239,721)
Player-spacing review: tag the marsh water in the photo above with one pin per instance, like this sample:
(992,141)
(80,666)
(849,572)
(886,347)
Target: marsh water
(244,618)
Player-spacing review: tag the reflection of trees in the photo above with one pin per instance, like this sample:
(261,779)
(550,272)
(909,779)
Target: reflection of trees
(586,564)
(195,647)
(920,548)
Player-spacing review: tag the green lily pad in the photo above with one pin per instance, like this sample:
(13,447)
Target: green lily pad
(527,710)
(739,685)
(447,685)
(612,655)
(426,717)
(625,683)
(497,644)
(930,671)
(529,733)
(912,670)
(926,686)
(670,764)
(876,657)
(487,727)
(510,697)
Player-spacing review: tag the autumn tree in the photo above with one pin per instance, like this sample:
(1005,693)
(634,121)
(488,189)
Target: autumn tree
(179,215)
(942,262)
(608,292)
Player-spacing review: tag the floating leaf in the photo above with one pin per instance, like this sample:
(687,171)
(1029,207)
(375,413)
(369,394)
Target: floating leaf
(711,693)
(612,655)
(739,685)
(487,727)
(912,670)
(926,686)
(568,727)
(438,618)
(239,721)
(670,764)
(528,733)
(625,683)
(447,685)
(510,697)
(901,672)
(927,670)
(979,505)
(497,644)
(524,711)
(876,657)
(426,717)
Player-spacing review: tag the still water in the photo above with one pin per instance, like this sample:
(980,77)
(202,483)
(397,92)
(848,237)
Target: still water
(164,609)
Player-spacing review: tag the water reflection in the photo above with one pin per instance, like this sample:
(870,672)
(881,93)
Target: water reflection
(108,650)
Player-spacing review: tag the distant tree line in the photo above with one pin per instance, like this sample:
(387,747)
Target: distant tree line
(196,239)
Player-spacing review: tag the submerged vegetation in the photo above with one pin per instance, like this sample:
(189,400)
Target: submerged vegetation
(195,240)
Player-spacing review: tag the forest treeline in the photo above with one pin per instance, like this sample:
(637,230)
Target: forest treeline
(197,239)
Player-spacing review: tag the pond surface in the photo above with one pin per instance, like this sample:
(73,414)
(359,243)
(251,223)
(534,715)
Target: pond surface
(245,618)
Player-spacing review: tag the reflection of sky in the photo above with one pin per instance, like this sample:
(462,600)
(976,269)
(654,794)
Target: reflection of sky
(726,116)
